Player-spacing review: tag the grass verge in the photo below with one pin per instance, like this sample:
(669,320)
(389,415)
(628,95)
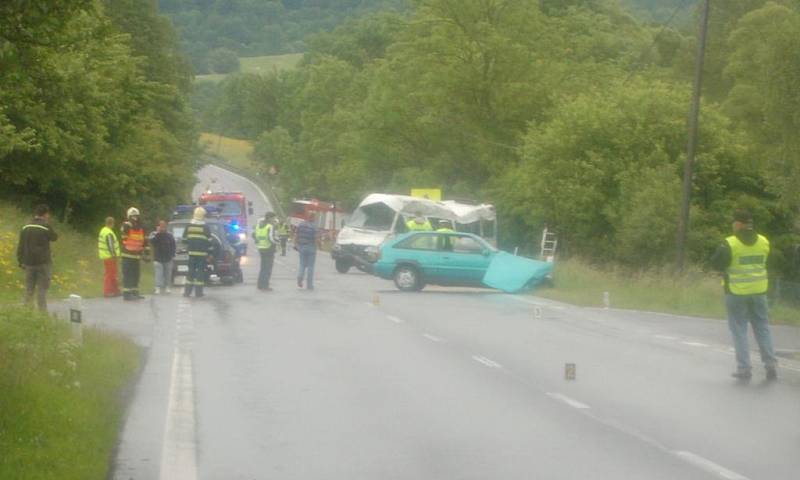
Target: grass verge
(263,64)
(694,293)
(76,267)
(61,406)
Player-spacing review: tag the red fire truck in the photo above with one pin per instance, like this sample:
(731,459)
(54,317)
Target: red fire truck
(330,218)
(233,209)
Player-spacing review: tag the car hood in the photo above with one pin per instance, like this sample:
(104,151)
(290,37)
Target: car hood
(361,237)
(513,274)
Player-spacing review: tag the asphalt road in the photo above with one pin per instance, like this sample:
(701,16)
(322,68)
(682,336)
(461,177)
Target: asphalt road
(358,381)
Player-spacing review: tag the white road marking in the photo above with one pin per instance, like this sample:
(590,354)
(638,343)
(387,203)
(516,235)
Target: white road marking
(539,303)
(486,361)
(432,338)
(179,453)
(696,344)
(569,401)
(709,466)
(394,319)
(665,337)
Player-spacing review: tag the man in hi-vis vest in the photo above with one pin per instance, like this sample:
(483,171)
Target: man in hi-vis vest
(266,241)
(742,258)
(108,251)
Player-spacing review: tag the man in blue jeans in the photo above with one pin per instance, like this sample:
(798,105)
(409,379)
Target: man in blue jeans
(306,240)
(742,258)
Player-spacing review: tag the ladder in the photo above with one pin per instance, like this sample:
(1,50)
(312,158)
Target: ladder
(549,245)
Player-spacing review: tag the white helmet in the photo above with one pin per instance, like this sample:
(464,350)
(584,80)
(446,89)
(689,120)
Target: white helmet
(133,212)
(199,213)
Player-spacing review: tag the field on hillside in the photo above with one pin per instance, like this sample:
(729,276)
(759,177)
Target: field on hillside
(263,64)
(236,152)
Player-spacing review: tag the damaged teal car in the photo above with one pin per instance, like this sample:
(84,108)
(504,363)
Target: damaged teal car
(417,259)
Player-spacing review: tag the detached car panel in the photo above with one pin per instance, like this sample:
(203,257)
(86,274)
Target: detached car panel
(513,274)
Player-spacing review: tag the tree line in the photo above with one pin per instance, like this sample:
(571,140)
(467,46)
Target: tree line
(94,113)
(570,114)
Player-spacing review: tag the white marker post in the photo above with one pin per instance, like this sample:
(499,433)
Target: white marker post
(606,300)
(537,312)
(76,317)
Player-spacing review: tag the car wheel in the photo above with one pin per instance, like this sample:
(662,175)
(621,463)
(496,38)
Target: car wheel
(238,276)
(407,279)
(343,266)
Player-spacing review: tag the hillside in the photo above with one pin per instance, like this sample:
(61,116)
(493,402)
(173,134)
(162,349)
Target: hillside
(264,64)
(253,28)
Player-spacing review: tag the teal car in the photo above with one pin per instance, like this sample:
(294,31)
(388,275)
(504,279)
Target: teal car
(416,259)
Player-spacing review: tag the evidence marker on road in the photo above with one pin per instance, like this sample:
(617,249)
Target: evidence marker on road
(570,371)
(376,300)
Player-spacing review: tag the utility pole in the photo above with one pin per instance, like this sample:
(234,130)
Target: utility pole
(691,150)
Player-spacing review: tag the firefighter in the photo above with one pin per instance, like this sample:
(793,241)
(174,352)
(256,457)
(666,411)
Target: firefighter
(197,238)
(108,251)
(132,248)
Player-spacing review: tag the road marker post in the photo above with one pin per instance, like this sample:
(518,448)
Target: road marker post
(537,312)
(606,300)
(570,371)
(76,317)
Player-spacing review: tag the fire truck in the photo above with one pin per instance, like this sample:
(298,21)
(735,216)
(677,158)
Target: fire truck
(330,218)
(233,209)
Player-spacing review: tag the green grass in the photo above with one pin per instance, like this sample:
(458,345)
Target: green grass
(265,64)
(76,268)
(694,293)
(61,405)
(235,152)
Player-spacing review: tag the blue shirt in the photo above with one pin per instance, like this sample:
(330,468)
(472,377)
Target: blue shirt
(306,235)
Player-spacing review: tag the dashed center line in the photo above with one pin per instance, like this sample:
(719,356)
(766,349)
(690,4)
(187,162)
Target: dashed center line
(432,338)
(665,337)
(709,466)
(569,401)
(486,361)
(695,344)
(394,319)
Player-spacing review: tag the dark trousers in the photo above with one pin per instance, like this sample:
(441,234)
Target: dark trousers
(308,255)
(37,281)
(196,276)
(131,268)
(265,272)
(283,245)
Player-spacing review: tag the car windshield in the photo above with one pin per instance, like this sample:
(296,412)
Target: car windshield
(226,207)
(376,216)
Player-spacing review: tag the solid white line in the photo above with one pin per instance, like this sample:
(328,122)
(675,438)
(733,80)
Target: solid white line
(569,401)
(394,319)
(179,450)
(709,466)
(432,338)
(695,344)
(486,361)
(665,337)
(537,303)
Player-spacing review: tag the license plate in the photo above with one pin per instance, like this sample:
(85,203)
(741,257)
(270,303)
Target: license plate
(183,268)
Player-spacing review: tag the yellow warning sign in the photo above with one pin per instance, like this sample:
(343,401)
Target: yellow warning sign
(429,193)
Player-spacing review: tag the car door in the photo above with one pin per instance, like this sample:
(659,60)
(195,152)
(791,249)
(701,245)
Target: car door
(463,259)
(421,250)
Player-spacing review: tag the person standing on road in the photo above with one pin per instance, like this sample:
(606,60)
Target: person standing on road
(108,251)
(163,244)
(307,240)
(742,257)
(283,235)
(133,245)
(266,242)
(197,237)
(33,254)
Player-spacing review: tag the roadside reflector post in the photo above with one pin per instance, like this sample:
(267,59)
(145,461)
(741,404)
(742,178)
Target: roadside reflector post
(76,317)
(606,300)
(570,371)
(376,300)
(537,312)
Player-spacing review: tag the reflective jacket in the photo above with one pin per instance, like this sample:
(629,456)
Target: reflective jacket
(413,226)
(133,240)
(107,244)
(197,237)
(747,272)
(264,235)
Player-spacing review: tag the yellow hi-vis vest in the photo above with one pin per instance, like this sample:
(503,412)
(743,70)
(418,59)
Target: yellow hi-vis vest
(747,273)
(263,236)
(419,227)
(102,244)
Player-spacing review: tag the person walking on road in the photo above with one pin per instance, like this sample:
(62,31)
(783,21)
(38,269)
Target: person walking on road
(133,245)
(33,254)
(266,242)
(742,257)
(283,235)
(197,237)
(108,251)
(307,240)
(163,245)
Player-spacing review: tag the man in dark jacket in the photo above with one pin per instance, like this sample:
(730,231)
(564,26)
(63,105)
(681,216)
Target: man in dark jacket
(163,244)
(742,258)
(33,254)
